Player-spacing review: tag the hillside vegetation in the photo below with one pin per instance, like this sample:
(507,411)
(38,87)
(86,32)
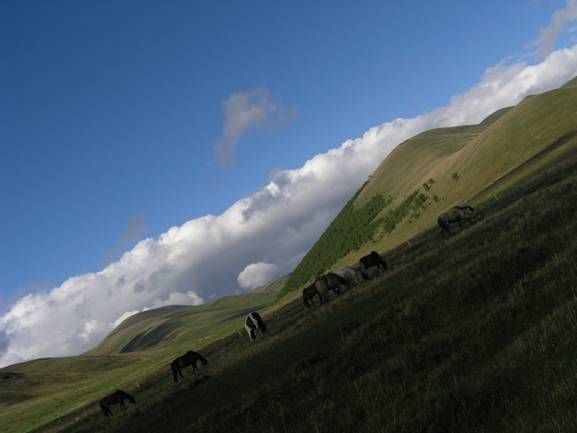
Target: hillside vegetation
(38,392)
(472,333)
(437,169)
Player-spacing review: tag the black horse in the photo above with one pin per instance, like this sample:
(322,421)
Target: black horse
(189,358)
(309,293)
(254,323)
(370,260)
(117,397)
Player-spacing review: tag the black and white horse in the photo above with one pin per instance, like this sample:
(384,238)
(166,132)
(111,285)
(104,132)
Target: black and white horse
(189,358)
(254,323)
(117,397)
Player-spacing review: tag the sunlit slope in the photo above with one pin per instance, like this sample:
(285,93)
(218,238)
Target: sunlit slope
(471,333)
(36,392)
(437,169)
(176,325)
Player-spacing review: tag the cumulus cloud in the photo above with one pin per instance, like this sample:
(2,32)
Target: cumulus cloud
(559,22)
(206,257)
(257,274)
(244,111)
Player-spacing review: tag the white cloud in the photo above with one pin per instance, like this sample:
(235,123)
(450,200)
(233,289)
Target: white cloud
(559,22)
(243,111)
(275,226)
(257,274)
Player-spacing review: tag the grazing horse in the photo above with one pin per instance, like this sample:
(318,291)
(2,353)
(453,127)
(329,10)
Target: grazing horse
(189,358)
(373,259)
(457,215)
(331,282)
(309,294)
(254,323)
(117,397)
(350,273)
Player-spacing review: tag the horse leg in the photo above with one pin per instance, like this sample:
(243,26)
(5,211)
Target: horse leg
(105,410)
(174,375)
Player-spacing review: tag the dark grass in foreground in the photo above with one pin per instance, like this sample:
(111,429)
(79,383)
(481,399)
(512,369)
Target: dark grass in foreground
(474,333)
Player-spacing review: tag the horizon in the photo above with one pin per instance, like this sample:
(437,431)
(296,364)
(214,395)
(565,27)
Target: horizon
(140,260)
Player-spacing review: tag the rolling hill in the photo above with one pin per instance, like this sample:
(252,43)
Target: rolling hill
(437,169)
(37,392)
(456,337)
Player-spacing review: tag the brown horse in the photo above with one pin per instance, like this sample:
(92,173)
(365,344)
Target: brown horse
(373,259)
(189,358)
(117,397)
(331,282)
(309,294)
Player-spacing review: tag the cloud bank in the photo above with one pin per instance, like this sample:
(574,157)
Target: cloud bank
(257,237)
(244,111)
(559,22)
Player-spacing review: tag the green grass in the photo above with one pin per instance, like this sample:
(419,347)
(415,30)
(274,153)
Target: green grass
(470,333)
(468,164)
(49,389)
(473,333)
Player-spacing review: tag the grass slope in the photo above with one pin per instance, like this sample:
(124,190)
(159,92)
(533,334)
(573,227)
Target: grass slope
(509,284)
(437,169)
(38,392)
(474,333)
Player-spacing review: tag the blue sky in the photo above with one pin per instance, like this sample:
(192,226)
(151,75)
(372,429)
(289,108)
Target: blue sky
(109,113)
(109,110)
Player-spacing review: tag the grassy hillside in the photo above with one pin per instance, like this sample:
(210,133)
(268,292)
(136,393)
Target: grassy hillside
(38,392)
(472,333)
(437,169)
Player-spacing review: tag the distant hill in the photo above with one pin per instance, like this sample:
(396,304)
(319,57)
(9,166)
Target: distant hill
(437,169)
(178,324)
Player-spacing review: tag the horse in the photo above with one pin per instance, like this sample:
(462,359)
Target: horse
(457,215)
(373,259)
(254,323)
(331,282)
(350,273)
(189,358)
(309,294)
(117,397)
